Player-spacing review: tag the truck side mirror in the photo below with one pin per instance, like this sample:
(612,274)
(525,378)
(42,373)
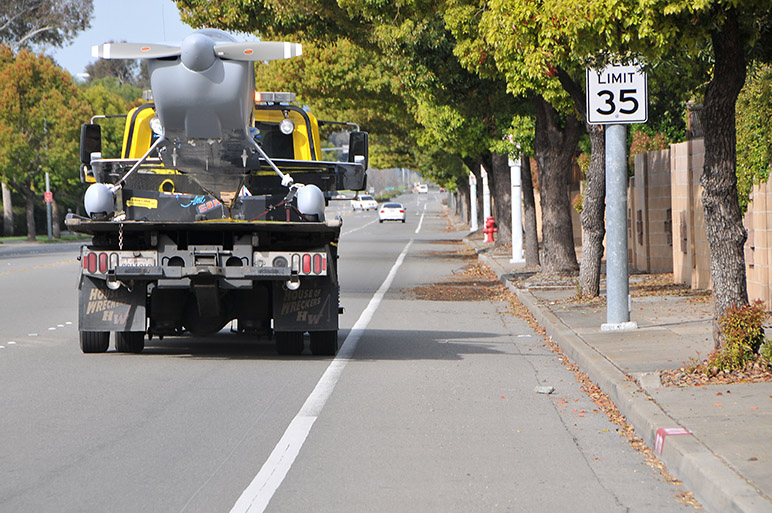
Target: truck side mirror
(90,141)
(357,148)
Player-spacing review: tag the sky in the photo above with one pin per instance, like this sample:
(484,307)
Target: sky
(135,21)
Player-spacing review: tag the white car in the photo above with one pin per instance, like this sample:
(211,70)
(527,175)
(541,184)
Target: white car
(391,212)
(423,189)
(364,202)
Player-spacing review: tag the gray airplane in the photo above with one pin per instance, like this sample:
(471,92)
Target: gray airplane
(204,95)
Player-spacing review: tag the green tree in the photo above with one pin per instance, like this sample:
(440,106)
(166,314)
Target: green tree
(341,81)
(733,32)
(754,132)
(102,101)
(40,117)
(505,38)
(42,24)
(26,23)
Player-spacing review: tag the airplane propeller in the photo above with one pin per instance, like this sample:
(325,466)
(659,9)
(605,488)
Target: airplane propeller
(258,50)
(241,51)
(134,51)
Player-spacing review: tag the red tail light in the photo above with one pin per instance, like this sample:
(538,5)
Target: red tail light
(401,211)
(92,262)
(306,263)
(317,264)
(102,262)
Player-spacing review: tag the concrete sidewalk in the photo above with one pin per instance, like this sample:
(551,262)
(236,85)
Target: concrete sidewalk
(717,439)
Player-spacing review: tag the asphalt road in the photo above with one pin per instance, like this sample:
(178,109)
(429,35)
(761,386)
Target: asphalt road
(430,405)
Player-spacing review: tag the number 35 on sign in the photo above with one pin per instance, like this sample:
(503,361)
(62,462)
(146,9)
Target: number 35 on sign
(617,95)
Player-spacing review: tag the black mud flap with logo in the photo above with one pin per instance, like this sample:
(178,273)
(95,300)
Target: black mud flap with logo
(312,307)
(102,309)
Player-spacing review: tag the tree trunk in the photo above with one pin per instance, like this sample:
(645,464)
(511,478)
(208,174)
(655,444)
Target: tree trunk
(56,227)
(501,189)
(529,214)
(463,199)
(593,219)
(7,211)
(30,196)
(594,204)
(723,218)
(555,147)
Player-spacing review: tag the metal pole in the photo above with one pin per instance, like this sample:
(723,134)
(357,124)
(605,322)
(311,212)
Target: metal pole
(617,285)
(48,208)
(473,202)
(517,214)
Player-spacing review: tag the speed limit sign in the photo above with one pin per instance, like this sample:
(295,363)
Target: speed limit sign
(616,95)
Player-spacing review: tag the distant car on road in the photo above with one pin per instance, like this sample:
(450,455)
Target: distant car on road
(423,189)
(391,212)
(364,202)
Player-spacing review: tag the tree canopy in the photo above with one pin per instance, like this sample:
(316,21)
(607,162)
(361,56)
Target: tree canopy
(40,116)
(38,23)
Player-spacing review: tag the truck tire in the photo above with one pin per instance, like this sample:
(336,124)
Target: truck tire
(94,341)
(289,343)
(129,341)
(324,343)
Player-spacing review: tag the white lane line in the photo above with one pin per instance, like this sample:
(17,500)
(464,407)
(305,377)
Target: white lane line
(357,229)
(255,498)
(421,221)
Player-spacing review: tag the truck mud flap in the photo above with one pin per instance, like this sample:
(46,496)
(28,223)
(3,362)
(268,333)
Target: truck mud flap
(102,309)
(312,307)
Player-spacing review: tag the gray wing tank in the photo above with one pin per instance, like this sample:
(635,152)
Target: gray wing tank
(204,95)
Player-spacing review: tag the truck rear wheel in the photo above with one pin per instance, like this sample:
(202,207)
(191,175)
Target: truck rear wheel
(94,341)
(324,343)
(289,343)
(129,341)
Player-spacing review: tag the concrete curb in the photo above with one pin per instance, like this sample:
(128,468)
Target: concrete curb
(714,484)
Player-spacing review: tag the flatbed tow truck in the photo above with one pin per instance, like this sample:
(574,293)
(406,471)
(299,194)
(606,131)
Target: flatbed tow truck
(215,211)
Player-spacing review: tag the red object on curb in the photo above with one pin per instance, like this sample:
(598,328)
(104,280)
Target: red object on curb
(490,229)
(662,433)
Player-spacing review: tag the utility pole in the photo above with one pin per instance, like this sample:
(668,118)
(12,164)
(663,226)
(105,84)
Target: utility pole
(486,193)
(473,202)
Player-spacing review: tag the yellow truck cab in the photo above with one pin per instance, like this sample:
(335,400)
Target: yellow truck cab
(283,130)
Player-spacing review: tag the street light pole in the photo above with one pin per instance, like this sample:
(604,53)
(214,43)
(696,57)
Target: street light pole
(473,202)
(517,214)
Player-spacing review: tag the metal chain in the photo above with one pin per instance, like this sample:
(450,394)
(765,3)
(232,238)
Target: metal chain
(120,236)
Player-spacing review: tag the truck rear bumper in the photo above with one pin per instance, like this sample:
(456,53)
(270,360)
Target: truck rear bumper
(150,273)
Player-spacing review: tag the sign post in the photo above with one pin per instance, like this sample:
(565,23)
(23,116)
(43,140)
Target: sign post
(617,95)
(49,197)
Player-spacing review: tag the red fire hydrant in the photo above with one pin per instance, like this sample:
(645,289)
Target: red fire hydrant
(490,229)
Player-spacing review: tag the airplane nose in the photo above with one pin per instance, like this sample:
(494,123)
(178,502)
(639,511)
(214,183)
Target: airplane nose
(197,52)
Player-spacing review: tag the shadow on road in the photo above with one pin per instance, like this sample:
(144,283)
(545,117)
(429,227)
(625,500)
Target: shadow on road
(373,345)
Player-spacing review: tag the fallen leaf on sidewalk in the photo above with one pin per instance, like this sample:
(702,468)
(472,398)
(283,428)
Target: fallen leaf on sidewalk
(717,404)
